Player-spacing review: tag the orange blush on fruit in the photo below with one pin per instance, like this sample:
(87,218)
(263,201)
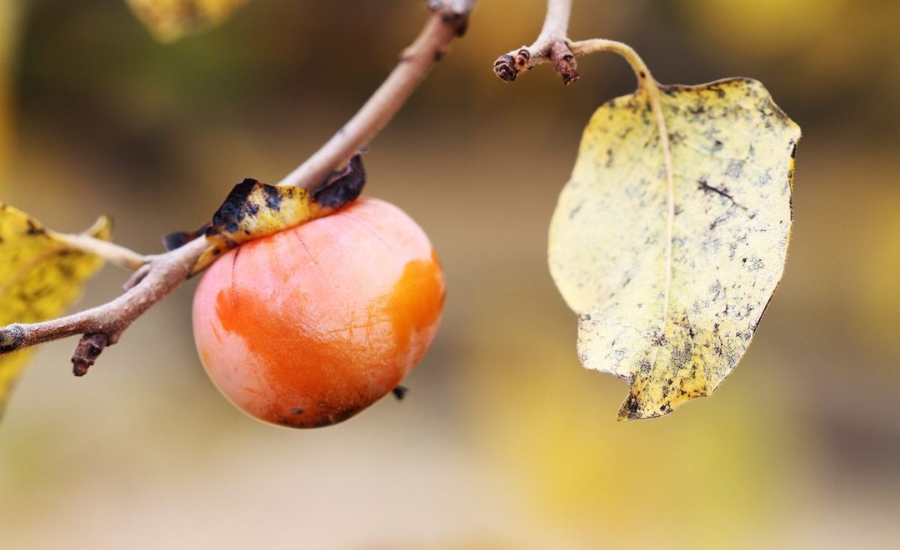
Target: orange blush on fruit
(309,326)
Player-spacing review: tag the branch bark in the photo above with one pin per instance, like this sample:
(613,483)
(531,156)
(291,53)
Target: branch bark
(156,277)
(415,62)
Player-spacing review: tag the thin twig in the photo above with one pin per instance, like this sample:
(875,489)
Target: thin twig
(113,253)
(156,277)
(166,273)
(415,62)
(556,23)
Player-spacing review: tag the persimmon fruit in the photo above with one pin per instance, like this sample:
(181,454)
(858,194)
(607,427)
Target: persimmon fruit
(309,326)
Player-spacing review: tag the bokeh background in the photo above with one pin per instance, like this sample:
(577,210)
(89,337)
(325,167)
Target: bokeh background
(504,441)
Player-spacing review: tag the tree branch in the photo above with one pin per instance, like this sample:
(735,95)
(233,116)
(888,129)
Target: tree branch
(156,277)
(415,62)
(103,325)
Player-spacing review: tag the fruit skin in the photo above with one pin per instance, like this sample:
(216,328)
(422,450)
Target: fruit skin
(307,327)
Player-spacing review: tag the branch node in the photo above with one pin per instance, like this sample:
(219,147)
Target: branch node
(505,68)
(551,46)
(11,338)
(462,26)
(88,350)
(523,59)
(137,277)
(508,66)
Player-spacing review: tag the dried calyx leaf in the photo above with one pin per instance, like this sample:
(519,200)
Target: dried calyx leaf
(169,20)
(670,265)
(41,275)
(253,210)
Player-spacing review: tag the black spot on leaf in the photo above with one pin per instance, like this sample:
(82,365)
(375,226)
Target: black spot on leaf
(342,187)
(232,211)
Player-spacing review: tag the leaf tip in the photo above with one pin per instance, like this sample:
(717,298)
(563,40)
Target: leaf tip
(102,228)
(635,408)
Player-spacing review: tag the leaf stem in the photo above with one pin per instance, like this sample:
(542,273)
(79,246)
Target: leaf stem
(553,46)
(648,84)
(113,253)
(594,45)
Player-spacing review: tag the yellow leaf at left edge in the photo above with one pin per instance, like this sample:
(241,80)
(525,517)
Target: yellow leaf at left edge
(169,20)
(40,277)
(675,327)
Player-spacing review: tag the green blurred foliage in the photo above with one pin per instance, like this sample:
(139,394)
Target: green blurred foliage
(504,440)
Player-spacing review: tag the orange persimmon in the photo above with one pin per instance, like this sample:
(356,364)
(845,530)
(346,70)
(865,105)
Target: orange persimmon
(309,326)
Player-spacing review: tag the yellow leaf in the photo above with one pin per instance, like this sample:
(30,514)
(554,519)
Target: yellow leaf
(170,20)
(675,327)
(39,278)
(253,210)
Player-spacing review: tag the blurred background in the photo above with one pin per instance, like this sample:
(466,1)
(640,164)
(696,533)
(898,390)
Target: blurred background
(504,441)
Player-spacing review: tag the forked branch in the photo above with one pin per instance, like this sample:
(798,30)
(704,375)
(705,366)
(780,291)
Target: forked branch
(551,46)
(156,277)
(449,21)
